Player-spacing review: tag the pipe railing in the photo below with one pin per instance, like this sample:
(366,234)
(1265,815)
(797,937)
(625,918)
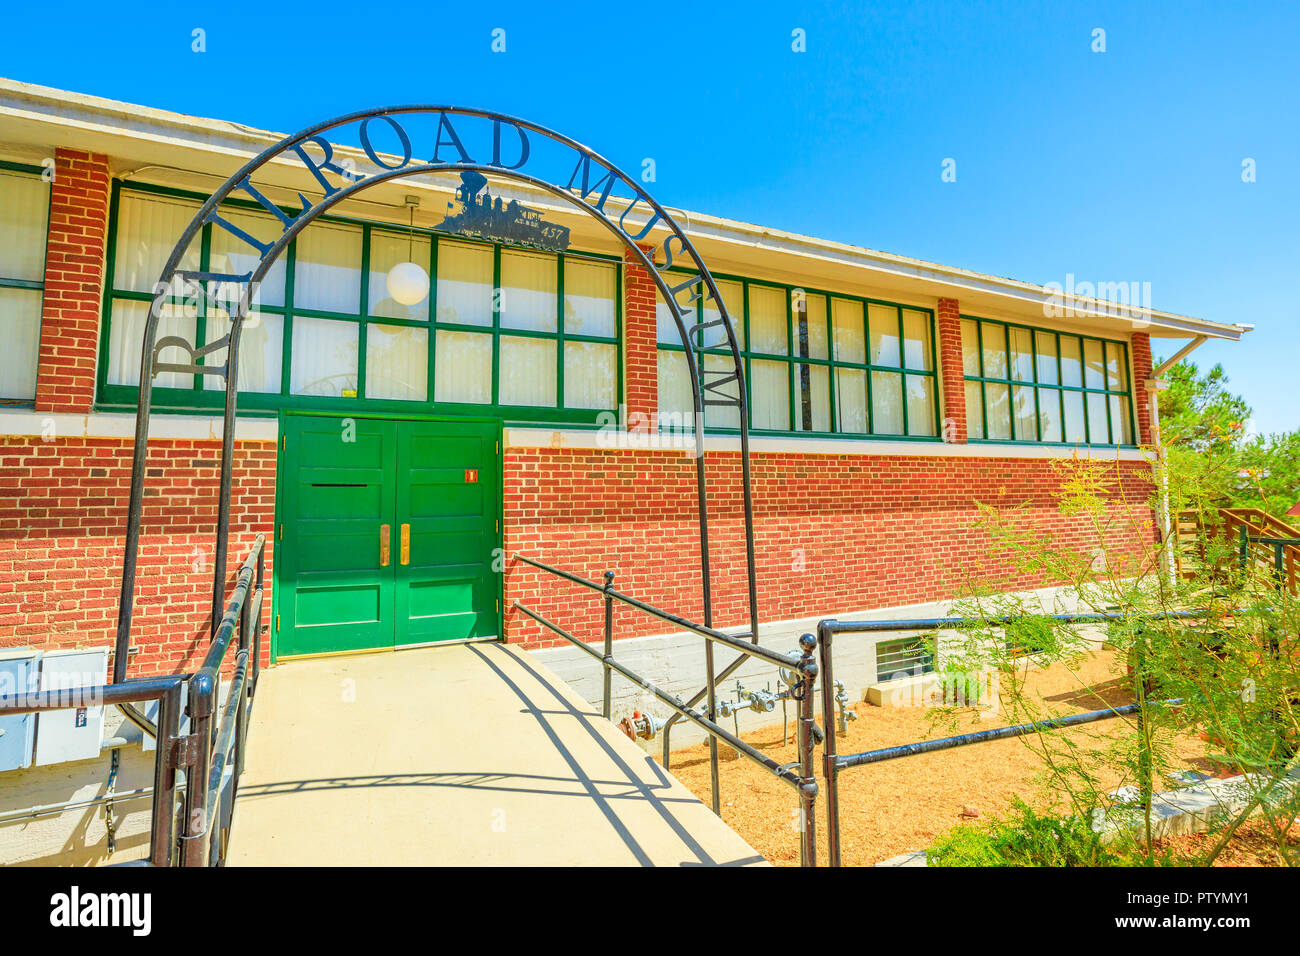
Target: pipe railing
(833,763)
(171,758)
(220,746)
(803,780)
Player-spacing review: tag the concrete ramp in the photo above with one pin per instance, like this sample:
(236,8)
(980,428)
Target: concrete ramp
(466,755)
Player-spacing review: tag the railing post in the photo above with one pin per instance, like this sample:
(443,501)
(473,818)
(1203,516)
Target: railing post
(195,828)
(607,706)
(830,769)
(807,741)
(257,624)
(162,850)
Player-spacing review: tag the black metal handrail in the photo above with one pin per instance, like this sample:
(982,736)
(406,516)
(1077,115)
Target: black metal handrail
(221,746)
(803,781)
(833,763)
(169,757)
(199,759)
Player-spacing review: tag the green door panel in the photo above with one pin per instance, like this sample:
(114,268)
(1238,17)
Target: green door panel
(339,481)
(448,496)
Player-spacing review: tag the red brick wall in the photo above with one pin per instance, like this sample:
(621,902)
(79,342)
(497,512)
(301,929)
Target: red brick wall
(62,518)
(641,364)
(74,272)
(834,533)
(1141,344)
(951,371)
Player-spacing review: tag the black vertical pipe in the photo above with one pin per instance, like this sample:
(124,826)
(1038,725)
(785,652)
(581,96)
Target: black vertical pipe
(162,849)
(807,741)
(227,466)
(830,769)
(607,707)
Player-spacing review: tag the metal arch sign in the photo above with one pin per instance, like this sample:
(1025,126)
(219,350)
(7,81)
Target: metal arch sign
(512,147)
(454,139)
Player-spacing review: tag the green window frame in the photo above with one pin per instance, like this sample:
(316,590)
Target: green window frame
(1039,394)
(28,285)
(197,398)
(803,383)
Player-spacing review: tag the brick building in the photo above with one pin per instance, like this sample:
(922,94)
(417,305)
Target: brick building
(887,398)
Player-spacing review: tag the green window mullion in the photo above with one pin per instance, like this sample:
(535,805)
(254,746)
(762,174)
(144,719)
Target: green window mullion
(749,383)
(902,367)
(619,344)
(830,354)
(496,324)
(934,366)
(1038,414)
(110,269)
(559,331)
(365,312)
(431,355)
(201,309)
(1060,380)
(1128,395)
(794,408)
(984,399)
(286,347)
(866,357)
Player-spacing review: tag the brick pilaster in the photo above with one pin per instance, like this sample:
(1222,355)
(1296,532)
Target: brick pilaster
(640,360)
(74,275)
(950,369)
(1141,345)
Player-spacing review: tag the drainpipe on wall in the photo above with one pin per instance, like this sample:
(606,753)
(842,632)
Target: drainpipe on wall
(1154,386)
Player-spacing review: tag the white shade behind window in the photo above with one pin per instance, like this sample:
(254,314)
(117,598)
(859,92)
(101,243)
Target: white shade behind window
(397,362)
(464,283)
(590,375)
(148,228)
(388,249)
(463,367)
(327,275)
(324,357)
(733,297)
(850,341)
(590,289)
(767,321)
(20,325)
(24,212)
(665,324)
(527,371)
(126,337)
(261,347)
(231,254)
(528,290)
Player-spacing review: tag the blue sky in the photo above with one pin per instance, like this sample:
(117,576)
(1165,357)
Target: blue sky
(1117,166)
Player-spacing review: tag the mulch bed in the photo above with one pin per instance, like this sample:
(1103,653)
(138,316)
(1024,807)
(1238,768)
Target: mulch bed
(902,805)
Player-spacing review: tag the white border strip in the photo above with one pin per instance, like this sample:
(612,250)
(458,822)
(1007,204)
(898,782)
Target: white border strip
(53,426)
(609,440)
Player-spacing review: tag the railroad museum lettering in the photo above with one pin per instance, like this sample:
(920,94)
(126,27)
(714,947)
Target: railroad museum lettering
(589,180)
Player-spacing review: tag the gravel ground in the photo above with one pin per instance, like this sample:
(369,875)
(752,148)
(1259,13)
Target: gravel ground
(902,805)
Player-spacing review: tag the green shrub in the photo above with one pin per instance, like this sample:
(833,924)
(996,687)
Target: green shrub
(1026,838)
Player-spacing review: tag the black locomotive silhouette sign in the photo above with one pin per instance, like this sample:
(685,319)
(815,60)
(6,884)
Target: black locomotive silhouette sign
(487,217)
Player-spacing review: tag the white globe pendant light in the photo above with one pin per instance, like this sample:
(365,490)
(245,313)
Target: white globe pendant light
(407,282)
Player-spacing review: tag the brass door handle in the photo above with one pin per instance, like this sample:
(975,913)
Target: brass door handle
(406,544)
(383,545)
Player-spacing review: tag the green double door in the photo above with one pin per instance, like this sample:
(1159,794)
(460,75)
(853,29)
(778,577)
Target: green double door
(388,533)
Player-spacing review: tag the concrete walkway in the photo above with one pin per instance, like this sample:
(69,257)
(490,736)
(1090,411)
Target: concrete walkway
(468,755)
